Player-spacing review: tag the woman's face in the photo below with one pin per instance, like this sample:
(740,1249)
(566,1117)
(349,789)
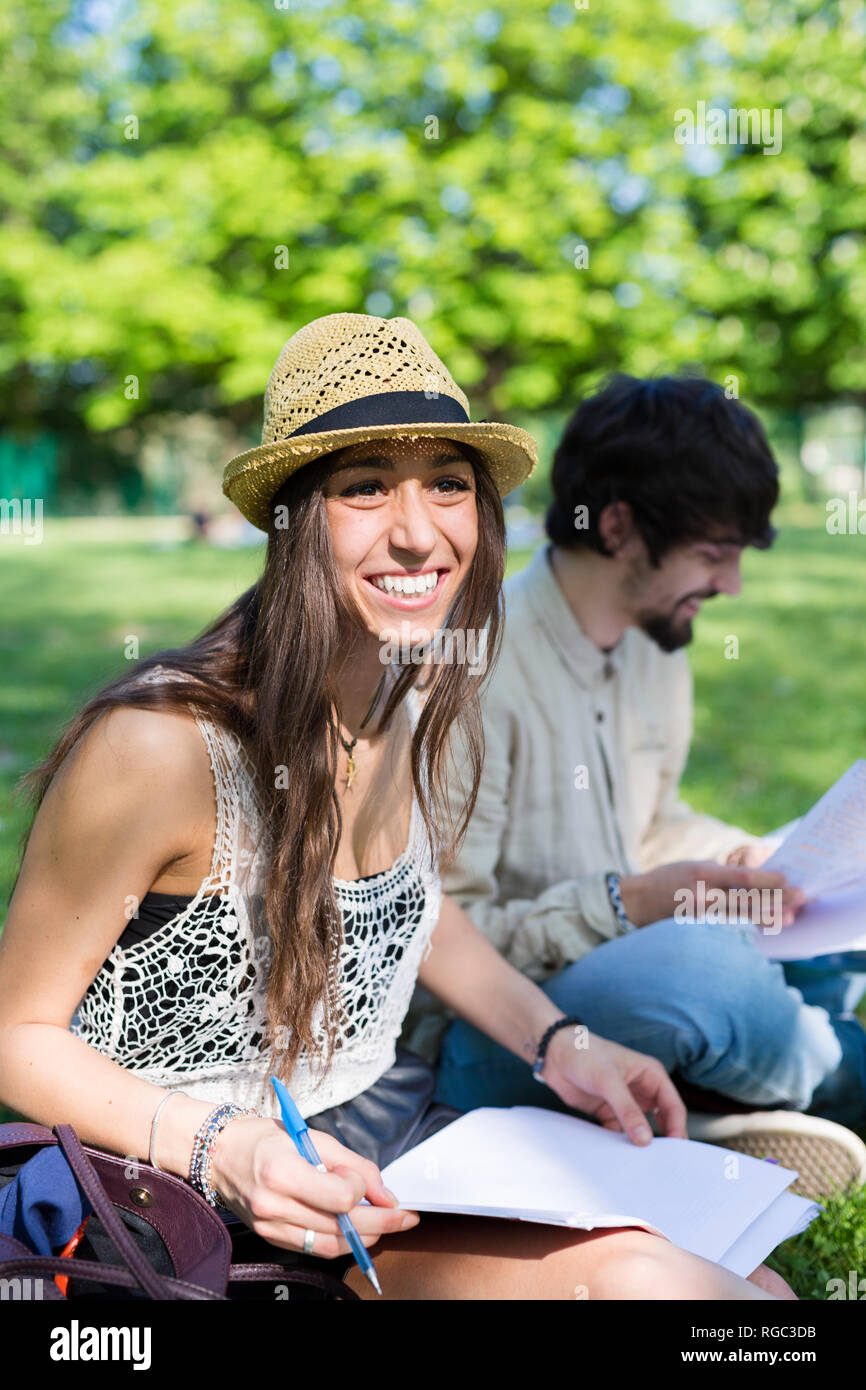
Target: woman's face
(404,528)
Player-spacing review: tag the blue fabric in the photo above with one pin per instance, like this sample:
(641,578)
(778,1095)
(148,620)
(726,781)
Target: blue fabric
(43,1206)
(706,1003)
(836,982)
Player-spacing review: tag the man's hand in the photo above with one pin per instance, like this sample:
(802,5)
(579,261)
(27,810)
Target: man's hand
(615,1085)
(653,896)
(749,856)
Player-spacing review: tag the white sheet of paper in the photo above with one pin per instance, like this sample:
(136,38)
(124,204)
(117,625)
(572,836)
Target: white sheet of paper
(827,850)
(786,1217)
(833,923)
(539,1165)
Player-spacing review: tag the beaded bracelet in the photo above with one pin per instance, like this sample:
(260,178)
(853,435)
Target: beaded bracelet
(201,1160)
(613,892)
(541,1054)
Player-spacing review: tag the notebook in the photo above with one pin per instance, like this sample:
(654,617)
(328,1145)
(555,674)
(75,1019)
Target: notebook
(524,1163)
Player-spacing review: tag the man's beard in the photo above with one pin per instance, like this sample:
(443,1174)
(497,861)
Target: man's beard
(668,631)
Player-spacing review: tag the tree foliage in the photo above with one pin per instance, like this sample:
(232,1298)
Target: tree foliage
(448,162)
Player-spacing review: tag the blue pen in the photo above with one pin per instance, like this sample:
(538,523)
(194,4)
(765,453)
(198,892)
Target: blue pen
(297,1127)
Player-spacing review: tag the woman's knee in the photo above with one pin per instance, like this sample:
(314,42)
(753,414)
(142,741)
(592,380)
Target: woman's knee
(631,1264)
(619,1263)
(637,1265)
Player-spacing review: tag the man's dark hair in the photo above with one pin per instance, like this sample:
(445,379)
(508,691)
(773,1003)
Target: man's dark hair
(686,458)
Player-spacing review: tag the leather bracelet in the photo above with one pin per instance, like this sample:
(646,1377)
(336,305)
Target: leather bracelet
(538,1064)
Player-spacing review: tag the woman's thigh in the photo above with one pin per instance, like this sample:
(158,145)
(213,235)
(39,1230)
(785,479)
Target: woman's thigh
(448,1257)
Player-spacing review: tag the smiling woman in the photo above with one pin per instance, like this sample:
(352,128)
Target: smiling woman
(415,562)
(304,905)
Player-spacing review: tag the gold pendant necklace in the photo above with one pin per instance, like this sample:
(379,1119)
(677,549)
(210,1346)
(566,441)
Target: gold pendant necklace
(352,770)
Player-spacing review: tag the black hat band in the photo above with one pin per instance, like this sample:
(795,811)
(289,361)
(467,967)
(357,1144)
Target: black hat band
(388,408)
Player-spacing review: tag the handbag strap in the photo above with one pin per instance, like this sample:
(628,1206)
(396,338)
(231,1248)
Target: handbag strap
(88,1180)
(50,1265)
(15,1258)
(18,1132)
(280,1274)
(28,1264)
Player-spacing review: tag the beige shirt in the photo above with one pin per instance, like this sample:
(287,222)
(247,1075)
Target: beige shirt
(584,754)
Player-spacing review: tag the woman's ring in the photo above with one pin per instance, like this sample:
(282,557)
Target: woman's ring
(309,1237)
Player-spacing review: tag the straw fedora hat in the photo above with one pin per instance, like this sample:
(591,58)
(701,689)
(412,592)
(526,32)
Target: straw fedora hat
(346,378)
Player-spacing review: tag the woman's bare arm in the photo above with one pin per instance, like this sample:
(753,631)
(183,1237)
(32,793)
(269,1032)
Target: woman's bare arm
(135,795)
(614,1083)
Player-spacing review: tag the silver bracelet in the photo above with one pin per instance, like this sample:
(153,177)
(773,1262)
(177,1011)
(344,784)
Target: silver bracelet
(151,1159)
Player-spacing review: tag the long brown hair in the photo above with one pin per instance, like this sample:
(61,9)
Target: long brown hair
(263,670)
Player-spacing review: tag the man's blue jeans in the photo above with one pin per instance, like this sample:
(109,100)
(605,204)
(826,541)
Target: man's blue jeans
(709,1006)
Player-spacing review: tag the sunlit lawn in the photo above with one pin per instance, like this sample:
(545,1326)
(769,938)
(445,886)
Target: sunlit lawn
(773,727)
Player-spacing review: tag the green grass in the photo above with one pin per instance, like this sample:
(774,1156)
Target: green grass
(773,728)
(833,1245)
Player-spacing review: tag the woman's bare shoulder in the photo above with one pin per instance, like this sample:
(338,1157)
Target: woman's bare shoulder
(133,751)
(132,734)
(134,795)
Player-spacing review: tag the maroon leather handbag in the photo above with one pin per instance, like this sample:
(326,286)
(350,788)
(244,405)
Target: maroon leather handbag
(171,1243)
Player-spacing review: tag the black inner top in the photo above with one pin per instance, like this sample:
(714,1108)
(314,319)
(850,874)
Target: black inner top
(155,909)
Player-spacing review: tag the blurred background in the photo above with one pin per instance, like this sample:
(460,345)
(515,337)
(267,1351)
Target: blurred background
(187,183)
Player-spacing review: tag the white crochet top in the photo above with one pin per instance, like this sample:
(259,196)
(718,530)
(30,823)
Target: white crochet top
(186,1007)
